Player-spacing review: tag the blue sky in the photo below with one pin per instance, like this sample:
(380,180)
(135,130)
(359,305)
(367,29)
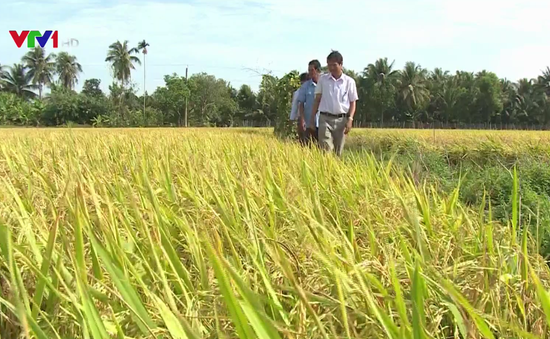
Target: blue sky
(236,40)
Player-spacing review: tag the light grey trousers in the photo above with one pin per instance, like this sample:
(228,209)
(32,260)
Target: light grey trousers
(331,133)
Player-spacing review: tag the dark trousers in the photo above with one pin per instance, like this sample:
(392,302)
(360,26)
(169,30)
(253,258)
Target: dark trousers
(301,133)
(309,137)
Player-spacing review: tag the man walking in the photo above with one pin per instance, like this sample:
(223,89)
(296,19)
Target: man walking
(306,100)
(294,116)
(335,98)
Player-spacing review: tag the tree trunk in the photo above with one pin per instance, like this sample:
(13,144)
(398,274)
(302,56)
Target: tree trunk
(144,90)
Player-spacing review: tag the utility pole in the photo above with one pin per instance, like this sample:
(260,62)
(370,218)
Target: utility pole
(186,98)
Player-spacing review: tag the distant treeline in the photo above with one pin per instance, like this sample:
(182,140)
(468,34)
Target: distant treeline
(409,97)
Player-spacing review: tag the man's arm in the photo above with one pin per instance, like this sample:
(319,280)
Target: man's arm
(301,101)
(316,104)
(352,99)
(317,101)
(352,106)
(301,115)
(352,96)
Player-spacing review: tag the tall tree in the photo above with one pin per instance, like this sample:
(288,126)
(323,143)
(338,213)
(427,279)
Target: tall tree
(489,99)
(91,88)
(384,77)
(142,45)
(68,69)
(284,88)
(246,100)
(171,99)
(413,88)
(543,81)
(437,80)
(41,67)
(447,98)
(122,61)
(18,81)
(2,72)
(510,101)
(207,96)
(267,98)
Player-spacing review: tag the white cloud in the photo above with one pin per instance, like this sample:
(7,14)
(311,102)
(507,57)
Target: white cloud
(223,38)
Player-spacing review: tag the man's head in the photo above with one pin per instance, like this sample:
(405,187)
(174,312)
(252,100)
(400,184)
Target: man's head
(335,62)
(314,69)
(304,77)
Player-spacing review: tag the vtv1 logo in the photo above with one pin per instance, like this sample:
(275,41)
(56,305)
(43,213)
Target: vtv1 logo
(33,36)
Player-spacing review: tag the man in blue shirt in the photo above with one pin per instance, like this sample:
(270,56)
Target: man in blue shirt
(306,98)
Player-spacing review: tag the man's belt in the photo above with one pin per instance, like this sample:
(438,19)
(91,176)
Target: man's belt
(341,115)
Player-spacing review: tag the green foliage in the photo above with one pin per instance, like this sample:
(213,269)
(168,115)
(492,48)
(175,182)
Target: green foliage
(171,98)
(64,105)
(247,103)
(208,98)
(122,59)
(67,69)
(387,96)
(488,101)
(16,111)
(285,88)
(92,88)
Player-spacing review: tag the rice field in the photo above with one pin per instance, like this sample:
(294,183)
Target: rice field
(208,233)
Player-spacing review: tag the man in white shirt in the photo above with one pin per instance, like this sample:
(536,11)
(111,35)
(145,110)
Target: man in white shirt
(294,114)
(335,99)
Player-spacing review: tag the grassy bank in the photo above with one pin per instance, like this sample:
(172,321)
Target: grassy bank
(221,234)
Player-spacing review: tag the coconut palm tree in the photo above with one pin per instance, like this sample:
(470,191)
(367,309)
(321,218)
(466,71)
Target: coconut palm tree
(449,97)
(413,85)
(2,72)
(67,69)
(439,75)
(381,71)
(41,67)
(543,81)
(384,77)
(511,100)
(18,81)
(142,45)
(122,61)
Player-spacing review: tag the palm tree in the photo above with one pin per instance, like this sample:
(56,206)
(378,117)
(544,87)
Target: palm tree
(438,75)
(122,61)
(383,76)
(543,81)
(382,71)
(18,81)
(2,72)
(413,86)
(142,45)
(526,92)
(511,100)
(448,97)
(68,69)
(40,67)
